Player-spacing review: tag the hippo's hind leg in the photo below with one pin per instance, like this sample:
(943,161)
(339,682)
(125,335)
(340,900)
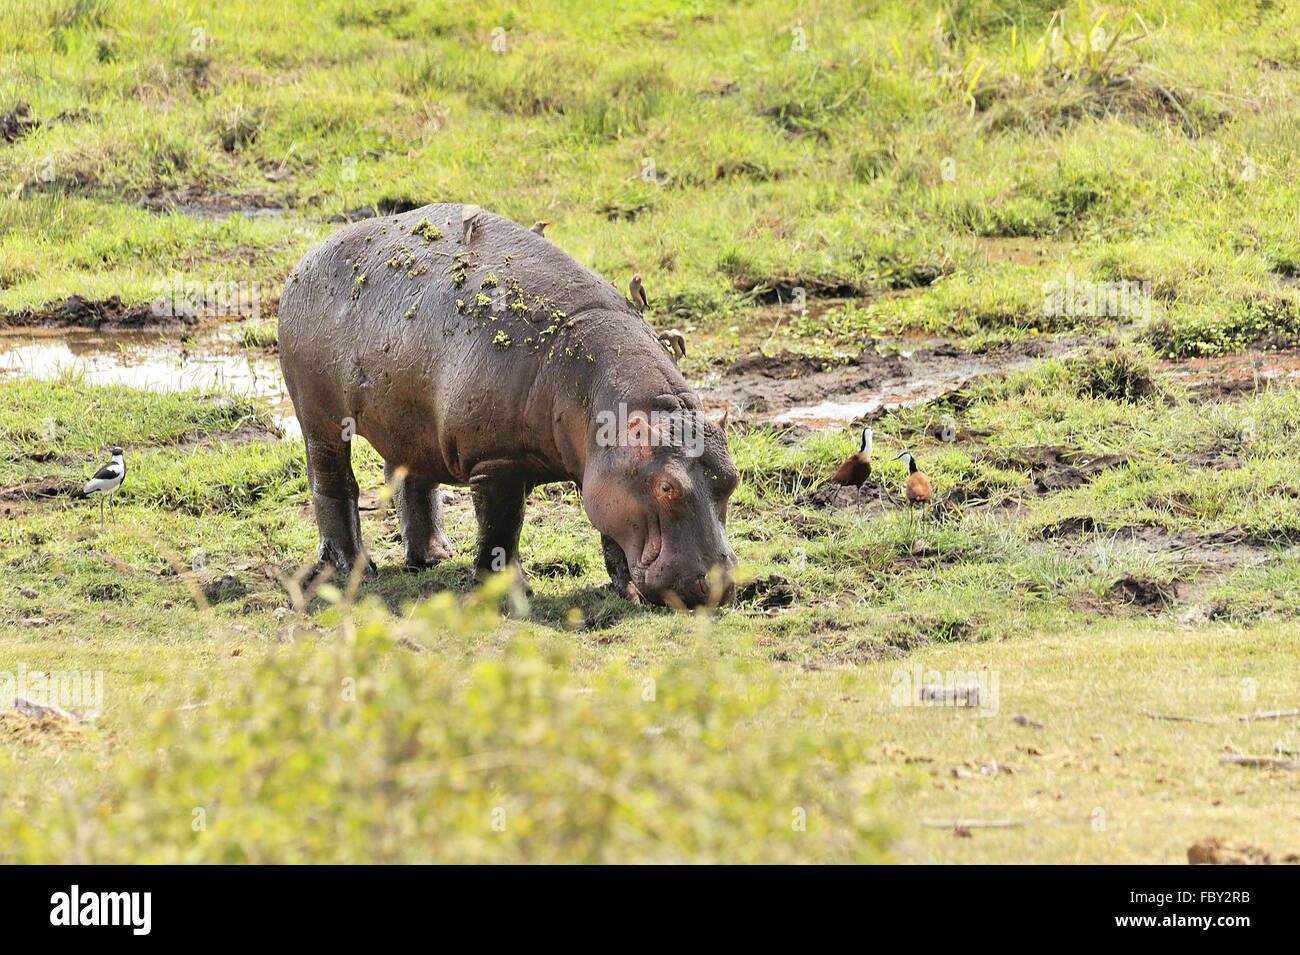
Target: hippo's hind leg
(419,512)
(334,498)
(499,507)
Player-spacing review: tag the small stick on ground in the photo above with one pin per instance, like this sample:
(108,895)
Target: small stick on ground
(1179,719)
(972,823)
(1261,762)
(1270,715)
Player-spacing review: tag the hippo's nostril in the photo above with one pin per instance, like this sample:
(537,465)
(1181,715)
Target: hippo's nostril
(704,586)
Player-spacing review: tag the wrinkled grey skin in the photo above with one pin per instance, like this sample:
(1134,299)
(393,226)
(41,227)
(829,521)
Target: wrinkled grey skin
(434,387)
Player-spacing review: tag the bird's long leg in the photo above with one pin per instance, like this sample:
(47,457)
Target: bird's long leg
(101,511)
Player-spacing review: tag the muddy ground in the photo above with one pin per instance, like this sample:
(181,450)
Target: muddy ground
(78,312)
(820,393)
(798,395)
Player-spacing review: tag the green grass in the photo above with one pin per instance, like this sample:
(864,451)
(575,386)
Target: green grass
(263,335)
(713,147)
(196,565)
(926,171)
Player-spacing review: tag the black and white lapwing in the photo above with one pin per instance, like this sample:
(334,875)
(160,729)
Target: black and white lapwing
(106,480)
(637,290)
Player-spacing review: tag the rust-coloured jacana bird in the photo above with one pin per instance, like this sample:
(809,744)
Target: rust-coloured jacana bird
(856,469)
(917,488)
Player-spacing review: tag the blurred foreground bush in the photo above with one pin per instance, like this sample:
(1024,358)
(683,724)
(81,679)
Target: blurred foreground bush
(359,748)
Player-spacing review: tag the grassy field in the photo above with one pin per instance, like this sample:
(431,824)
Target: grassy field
(1110,562)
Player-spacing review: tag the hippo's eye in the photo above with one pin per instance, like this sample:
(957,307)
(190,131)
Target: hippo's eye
(666,492)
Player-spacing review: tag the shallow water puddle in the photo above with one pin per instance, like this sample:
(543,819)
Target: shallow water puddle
(839,411)
(209,359)
(921,376)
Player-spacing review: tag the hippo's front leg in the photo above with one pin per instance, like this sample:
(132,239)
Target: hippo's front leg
(419,512)
(620,576)
(499,506)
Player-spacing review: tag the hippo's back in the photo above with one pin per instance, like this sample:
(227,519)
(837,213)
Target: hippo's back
(401,317)
(374,271)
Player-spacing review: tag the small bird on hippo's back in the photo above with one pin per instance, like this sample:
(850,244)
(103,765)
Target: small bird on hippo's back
(636,290)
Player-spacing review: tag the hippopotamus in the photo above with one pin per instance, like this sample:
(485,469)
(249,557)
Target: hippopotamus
(478,353)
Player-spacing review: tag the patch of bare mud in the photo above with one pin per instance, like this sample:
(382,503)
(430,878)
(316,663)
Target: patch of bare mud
(78,312)
(16,727)
(247,431)
(388,206)
(1052,467)
(767,593)
(21,121)
(198,203)
(1233,376)
(837,645)
(40,489)
(1025,251)
(1220,850)
(789,388)
(1147,594)
(17,123)
(1205,546)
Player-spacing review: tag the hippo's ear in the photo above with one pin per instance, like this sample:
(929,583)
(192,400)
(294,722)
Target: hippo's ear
(642,435)
(721,420)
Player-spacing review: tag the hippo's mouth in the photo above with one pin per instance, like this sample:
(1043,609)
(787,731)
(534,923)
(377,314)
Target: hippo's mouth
(645,579)
(629,577)
(650,553)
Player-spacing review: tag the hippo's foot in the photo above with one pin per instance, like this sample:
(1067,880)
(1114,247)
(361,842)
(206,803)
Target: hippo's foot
(498,494)
(333,555)
(629,592)
(483,573)
(340,530)
(437,550)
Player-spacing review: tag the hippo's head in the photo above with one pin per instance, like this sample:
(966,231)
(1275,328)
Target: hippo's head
(656,486)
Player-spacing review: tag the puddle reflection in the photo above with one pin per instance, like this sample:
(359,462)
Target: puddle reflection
(210,360)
